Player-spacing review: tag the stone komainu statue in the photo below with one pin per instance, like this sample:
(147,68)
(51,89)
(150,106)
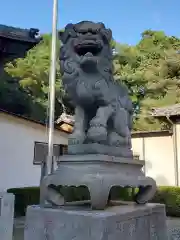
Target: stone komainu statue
(103,110)
(99,150)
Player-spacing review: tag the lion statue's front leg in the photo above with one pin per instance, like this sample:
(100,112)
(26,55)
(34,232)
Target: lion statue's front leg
(78,136)
(120,134)
(98,130)
(110,126)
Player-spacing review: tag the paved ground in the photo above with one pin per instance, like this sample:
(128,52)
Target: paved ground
(173,225)
(18,234)
(19,229)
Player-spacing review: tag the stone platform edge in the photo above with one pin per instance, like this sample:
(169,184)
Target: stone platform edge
(132,210)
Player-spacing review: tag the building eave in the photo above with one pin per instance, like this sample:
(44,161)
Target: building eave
(25,35)
(172,110)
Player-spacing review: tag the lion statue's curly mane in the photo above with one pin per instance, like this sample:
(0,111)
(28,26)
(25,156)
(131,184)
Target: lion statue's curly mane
(103,110)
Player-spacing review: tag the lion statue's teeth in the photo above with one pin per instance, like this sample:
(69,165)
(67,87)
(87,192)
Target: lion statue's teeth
(88,54)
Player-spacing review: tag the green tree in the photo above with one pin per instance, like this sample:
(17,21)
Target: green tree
(150,69)
(13,98)
(154,64)
(33,74)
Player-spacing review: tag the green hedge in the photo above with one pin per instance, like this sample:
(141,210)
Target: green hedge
(23,198)
(170,196)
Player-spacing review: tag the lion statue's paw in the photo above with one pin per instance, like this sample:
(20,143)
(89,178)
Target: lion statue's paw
(97,134)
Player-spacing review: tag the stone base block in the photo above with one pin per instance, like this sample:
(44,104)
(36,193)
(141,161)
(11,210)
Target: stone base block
(96,148)
(6,216)
(126,222)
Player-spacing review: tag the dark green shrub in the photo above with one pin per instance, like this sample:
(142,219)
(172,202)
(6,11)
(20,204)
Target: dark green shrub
(75,193)
(170,196)
(30,196)
(24,197)
(119,193)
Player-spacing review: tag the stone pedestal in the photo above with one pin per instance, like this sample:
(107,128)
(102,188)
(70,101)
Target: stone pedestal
(126,222)
(6,216)
(99,173)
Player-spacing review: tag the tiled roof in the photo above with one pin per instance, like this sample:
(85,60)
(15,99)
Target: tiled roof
(27,119)
(65,118)
(70,120)
(28,35)
(173,110)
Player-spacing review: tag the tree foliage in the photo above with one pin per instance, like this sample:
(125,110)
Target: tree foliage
(150,69)
(33,74)
(153,63)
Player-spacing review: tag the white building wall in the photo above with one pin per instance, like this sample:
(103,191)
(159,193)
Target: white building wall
(17,137)
(159,157)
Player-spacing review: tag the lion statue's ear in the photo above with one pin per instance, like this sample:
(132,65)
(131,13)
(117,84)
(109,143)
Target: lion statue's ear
(61,36)
(101,25)
(68,32)
(109,34)
(106,34)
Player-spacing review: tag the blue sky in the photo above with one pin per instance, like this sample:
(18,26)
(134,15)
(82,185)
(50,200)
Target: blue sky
(127,18)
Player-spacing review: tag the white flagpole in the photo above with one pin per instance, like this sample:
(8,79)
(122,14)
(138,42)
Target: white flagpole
(52,79)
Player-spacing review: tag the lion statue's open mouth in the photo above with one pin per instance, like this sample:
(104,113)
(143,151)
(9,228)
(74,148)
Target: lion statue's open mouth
(88,50)
(88,46)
